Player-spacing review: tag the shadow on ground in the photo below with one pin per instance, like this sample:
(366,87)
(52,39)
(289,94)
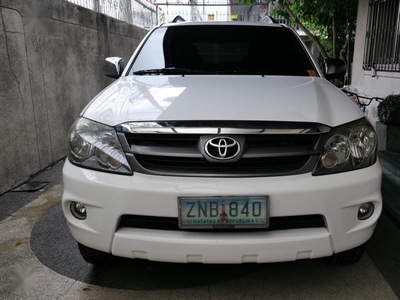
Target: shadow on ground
(55,247)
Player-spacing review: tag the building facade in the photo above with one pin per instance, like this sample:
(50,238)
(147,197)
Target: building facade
(376,64)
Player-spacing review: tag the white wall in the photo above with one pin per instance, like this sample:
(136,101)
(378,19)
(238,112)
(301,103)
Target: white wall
(385,83)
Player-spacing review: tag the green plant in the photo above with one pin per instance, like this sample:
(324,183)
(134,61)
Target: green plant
(389,110)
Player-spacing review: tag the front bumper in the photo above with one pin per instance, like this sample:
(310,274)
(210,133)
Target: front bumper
(108,196)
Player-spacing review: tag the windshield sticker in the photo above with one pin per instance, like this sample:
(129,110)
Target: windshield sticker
(312,73)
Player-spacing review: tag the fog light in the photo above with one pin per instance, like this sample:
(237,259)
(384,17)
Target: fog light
(78,210)
(366,210)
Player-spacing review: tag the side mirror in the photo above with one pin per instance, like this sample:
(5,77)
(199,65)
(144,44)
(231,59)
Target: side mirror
(334,68)
(113,67)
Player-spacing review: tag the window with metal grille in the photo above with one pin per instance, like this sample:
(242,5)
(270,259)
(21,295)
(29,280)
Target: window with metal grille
(382,44)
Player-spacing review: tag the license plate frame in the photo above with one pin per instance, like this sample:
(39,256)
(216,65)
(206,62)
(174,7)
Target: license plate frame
(251,200)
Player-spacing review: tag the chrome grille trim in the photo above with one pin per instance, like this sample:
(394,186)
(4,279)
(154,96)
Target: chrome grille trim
(307,167)
(181,128)
(167,151)
(250,153)
(294,151)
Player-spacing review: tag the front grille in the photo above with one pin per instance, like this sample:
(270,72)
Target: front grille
(276,223)
(192,140)
(245,166)
(267,149)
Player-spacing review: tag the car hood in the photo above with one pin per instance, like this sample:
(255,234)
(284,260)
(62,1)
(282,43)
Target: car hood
(218,97)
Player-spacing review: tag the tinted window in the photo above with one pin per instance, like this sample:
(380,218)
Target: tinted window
(226,50)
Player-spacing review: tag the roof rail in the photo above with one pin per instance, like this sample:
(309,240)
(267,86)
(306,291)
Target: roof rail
(269,19)
(178,19)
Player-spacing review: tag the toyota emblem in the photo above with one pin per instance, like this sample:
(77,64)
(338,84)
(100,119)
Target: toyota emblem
(222,148)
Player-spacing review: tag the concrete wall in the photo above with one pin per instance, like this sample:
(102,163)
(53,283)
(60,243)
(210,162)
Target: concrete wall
(51,55)
(385,83)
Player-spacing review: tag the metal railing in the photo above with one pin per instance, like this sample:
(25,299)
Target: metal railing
(210,14)
(168,14)
(137,12)
(148,15)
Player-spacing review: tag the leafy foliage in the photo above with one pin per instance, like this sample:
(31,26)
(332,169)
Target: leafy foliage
(324,18)
(389,110)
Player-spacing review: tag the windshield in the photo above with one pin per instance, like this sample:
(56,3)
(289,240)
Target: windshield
(223,49)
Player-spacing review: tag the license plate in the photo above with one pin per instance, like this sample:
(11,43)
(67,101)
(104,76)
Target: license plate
(223,212)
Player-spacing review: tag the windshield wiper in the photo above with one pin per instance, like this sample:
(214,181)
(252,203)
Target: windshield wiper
(171,70)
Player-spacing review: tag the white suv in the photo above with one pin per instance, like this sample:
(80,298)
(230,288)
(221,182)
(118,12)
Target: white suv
(222,143)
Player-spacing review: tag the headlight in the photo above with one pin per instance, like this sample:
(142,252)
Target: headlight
(96,146)
(348,147)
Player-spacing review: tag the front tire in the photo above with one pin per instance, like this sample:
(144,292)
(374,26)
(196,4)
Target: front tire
(349,256)
(95,257)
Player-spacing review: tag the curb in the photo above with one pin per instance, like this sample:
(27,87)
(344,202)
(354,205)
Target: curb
(390,162)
